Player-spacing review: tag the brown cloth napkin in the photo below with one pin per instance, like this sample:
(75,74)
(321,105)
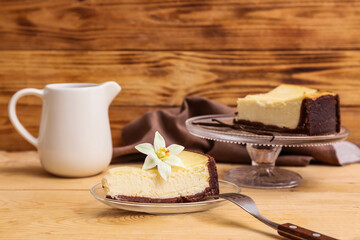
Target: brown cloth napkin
(171,125)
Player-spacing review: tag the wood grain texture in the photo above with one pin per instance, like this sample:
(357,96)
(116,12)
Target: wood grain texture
(165,78)
(34,204)
(179,25)
(153,80)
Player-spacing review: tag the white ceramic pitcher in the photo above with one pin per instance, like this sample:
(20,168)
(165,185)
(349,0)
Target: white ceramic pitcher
(74,137)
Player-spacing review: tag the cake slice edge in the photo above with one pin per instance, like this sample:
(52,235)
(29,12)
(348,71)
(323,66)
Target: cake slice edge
(212,190)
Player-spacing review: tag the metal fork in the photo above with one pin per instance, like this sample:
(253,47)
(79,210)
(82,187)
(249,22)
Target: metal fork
(288,230)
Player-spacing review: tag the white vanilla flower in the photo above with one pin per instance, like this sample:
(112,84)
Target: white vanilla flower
(161,156)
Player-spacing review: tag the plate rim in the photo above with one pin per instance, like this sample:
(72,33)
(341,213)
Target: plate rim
(237,189)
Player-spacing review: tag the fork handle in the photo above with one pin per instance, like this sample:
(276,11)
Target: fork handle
(292,231)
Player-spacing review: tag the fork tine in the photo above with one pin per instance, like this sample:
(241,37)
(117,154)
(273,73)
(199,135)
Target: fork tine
(233,195)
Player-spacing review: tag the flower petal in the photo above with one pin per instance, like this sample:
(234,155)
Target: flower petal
(159,141)
(175,149)
(174,161)
(149,163)
(164,170)
(146,148)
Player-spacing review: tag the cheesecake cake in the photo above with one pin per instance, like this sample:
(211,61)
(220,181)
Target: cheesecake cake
(193,182)
(290,109)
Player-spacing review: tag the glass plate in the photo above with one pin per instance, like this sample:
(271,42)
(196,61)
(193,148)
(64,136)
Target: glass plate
(166,208)
(226,134)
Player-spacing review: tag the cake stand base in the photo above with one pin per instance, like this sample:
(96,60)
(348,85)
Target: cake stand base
(263,173)
(263,177)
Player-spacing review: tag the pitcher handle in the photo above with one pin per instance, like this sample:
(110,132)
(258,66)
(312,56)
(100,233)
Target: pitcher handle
(13,117)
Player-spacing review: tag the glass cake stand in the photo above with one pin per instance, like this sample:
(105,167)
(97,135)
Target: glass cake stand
(263,148)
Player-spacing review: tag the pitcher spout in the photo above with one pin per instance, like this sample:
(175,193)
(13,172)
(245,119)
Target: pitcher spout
(111,90)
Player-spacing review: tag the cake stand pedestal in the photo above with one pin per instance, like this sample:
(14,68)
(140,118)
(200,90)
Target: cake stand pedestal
(263,148)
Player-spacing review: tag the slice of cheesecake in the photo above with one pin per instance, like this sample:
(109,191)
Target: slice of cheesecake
(291,109)
(196,181)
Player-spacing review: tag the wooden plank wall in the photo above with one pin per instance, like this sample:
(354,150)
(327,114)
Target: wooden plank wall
(163,51)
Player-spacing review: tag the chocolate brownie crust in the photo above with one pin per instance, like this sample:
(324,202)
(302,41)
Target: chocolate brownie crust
(321,115)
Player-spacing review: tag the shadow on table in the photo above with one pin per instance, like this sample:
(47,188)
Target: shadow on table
(116,216)
(32,171)
(223,220)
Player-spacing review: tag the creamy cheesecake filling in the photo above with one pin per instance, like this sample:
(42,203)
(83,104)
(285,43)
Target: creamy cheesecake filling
(282,115)
(279,107)
(135,182)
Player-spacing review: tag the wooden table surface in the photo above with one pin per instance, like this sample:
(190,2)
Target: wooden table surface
(37,205)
